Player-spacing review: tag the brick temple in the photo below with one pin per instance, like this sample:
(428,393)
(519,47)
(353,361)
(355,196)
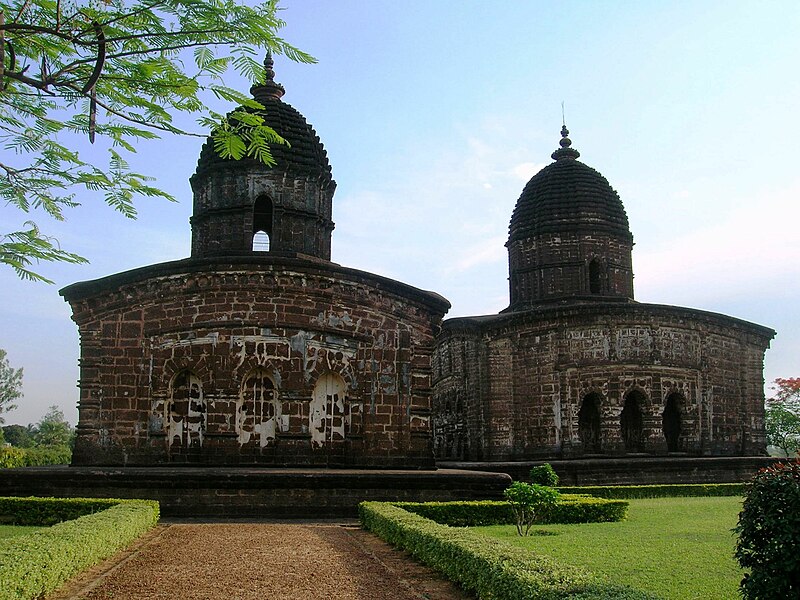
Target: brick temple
(575,367)
(258,351)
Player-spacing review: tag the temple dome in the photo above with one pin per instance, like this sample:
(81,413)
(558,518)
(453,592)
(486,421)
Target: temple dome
(244,207)
(305,154)
(568,196)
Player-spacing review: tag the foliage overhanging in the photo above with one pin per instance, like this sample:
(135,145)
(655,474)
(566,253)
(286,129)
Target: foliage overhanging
(120,72)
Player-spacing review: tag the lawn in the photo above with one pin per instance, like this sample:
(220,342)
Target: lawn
(11,531)
(678,548)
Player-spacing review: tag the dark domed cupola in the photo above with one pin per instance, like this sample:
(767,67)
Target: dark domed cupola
(569,236)
(243,207)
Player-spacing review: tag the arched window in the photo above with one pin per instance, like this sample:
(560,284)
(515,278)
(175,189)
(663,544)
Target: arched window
(186,411)
(262,224)
(671,421)
(595,277)
(631,421)
(260,241)
(328,410)
(258,409)
(589,422)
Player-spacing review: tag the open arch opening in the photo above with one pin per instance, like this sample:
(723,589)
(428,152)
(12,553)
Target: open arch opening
(185,411)
(632,422)
(262,224)
(595,277)
(671,422)
(589,422)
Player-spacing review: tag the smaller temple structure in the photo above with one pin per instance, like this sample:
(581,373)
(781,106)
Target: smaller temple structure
(256,350)
(575,367)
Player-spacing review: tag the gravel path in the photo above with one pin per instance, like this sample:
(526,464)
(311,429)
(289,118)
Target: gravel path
(256,561)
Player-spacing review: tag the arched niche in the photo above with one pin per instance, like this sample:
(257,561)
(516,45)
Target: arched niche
(632,421)
(258,409)
(185,411)
(595,276)
(589,422)
(672,422)
(328,410)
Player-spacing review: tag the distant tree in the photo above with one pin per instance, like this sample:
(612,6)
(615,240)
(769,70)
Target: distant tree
(19,436)
(782,416)
(53,430)
(10,385)
(118,71)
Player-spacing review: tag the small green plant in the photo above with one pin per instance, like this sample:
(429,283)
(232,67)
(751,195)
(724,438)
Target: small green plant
(528,501)
(769,534)
(544,475)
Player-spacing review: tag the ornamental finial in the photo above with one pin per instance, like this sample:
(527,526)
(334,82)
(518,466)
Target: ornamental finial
(565,151)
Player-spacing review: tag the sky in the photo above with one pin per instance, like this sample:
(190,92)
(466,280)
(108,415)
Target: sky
(436,113)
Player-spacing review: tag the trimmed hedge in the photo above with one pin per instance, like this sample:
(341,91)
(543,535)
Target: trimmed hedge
(49,511)
(630,492)
(36,564)
(491,568)
(571,508)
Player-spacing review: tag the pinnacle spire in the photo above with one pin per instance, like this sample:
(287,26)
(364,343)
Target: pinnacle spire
(269,89)
(565,151)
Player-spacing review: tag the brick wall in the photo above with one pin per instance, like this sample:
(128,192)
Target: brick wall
(540,365)
(169,355)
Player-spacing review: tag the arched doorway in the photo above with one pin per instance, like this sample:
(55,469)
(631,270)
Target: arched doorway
(262,224)
(185,411)
(632,422)
(671,422)
(589,422)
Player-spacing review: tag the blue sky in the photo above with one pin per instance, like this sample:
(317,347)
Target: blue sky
(435,114)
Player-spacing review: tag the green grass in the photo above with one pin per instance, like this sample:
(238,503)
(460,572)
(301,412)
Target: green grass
(8,532)
(678,548)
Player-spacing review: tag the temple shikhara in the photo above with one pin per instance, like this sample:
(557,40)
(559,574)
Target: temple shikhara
(259,350)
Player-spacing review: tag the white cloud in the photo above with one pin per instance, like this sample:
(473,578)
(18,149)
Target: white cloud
(743,252)
(524,171)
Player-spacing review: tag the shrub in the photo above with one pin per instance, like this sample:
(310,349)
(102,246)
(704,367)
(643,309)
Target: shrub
(488,567)
(11,457)
(631,492)
(529,501)
(36,564)
(544,475)
(570,508)
(49,511)
(769,534)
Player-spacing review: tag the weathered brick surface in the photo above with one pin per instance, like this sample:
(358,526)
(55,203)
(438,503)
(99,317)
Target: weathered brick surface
(538,366)
(169,353)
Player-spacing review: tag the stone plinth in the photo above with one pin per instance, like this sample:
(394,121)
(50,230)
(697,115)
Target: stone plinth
(633,471)
(253,492)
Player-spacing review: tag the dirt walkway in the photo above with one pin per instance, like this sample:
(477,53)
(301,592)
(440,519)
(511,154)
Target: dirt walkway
(256,561)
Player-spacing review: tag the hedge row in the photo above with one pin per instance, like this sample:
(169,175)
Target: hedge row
(49,511)
(571,508)
(11,457)
(36,564)
(630,492)
(488,567)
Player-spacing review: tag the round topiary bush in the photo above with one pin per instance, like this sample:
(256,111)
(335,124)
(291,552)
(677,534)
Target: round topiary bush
(769,534)
(544,475)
